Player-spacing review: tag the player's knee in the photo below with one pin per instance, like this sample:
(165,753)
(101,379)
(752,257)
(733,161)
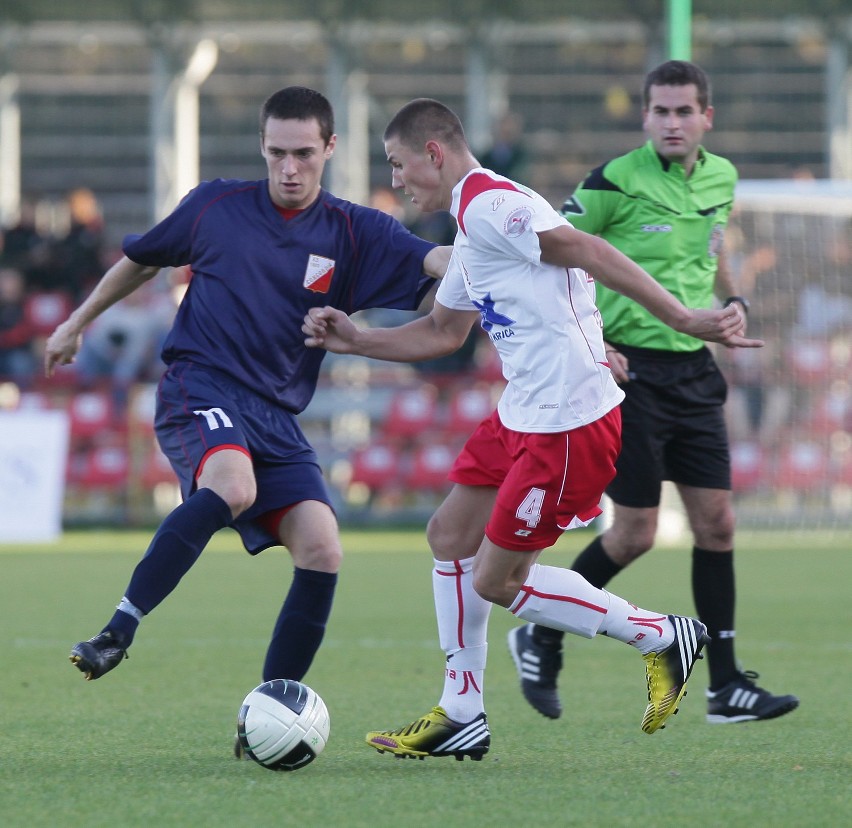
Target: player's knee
(496,591)
(238,494)
(319,555)
(439,536)
(625,547)
(717,532)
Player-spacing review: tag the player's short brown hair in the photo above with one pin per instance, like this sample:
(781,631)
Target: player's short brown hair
(301,104)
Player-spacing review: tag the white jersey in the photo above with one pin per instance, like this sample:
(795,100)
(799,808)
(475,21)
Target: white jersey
(541,318)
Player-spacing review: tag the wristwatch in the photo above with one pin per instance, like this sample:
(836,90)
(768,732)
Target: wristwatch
(741,299)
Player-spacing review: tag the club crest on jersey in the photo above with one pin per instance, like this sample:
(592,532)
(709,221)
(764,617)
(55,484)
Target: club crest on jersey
(517,221)
(318,273)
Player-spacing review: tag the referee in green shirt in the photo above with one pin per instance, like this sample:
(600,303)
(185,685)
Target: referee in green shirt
(665,205)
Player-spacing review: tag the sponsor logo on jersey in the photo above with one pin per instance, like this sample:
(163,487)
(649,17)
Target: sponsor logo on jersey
(496,336)
(491,317)
(497,202)
(318,273)
(656,228)
(517,221)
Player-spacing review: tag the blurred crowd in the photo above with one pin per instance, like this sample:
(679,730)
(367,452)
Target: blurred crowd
(798,274)
(50,258)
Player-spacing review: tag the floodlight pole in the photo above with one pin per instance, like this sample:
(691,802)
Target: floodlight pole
(10,149)
(174,129)
(679,29)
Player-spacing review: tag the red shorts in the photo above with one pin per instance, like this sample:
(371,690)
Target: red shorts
(546,483)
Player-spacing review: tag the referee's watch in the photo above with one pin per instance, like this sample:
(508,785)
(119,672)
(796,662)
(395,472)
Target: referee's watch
(742,301)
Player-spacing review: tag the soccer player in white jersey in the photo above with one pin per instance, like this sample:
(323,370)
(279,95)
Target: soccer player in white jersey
(539,464)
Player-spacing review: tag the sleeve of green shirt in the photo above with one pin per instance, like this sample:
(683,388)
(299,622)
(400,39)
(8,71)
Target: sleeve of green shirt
(591,210)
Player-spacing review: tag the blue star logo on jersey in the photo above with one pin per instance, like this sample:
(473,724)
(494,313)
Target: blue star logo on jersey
(490,317)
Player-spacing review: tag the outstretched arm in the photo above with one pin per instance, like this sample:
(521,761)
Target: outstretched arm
(436,261)
(119,281)
(568,247)
(437,334)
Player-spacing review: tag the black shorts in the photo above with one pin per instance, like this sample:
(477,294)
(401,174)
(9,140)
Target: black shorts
(673,426)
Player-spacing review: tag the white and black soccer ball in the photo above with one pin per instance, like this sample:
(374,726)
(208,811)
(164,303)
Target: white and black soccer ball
(283,725)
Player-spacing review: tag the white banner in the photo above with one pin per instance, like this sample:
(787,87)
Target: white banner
(33,454)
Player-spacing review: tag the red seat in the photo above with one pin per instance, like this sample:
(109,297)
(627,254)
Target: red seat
(468,407)
(802,466)
(91,413)
(99,468)
(809,361)
(378,467)
(142,408)
(45,310)
(841,469)
(748,466)
(412,412)
(157,468)
(832,411)
(429,468)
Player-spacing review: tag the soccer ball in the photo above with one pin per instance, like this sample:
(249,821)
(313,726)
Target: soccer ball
(283,725)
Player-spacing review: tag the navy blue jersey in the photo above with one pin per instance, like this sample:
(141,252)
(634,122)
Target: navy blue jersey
(255,275)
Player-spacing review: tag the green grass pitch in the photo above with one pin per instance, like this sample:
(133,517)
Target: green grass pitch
(150,744)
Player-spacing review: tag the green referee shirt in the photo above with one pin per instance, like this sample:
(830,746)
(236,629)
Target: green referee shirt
(671,225)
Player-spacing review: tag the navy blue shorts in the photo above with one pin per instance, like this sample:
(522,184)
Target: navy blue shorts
(200,409)
(672,426)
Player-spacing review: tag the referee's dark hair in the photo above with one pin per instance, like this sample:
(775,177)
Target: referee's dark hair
(678,73)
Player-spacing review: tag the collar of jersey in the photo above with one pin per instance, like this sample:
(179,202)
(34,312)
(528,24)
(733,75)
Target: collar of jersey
(667,165)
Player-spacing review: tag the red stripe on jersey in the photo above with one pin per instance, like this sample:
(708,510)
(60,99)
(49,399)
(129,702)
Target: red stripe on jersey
(475,185)
(457,574)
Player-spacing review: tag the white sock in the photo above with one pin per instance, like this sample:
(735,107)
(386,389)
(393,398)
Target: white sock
(462,631)
(648,632)
(561,599)
(564,600)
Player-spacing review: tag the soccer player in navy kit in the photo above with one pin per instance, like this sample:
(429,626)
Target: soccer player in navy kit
(262,253)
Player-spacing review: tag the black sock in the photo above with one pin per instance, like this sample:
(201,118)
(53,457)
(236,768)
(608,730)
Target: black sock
(173,550)
(301,623)
(597,568)
(595,565)
(714,593)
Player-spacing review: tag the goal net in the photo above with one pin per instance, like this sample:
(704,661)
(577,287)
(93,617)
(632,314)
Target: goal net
(790,403)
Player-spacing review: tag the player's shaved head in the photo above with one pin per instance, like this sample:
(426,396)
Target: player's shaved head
(425,119)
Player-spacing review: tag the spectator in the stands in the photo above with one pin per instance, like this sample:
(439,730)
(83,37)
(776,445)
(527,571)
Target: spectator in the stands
(17,351)
(123,344)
